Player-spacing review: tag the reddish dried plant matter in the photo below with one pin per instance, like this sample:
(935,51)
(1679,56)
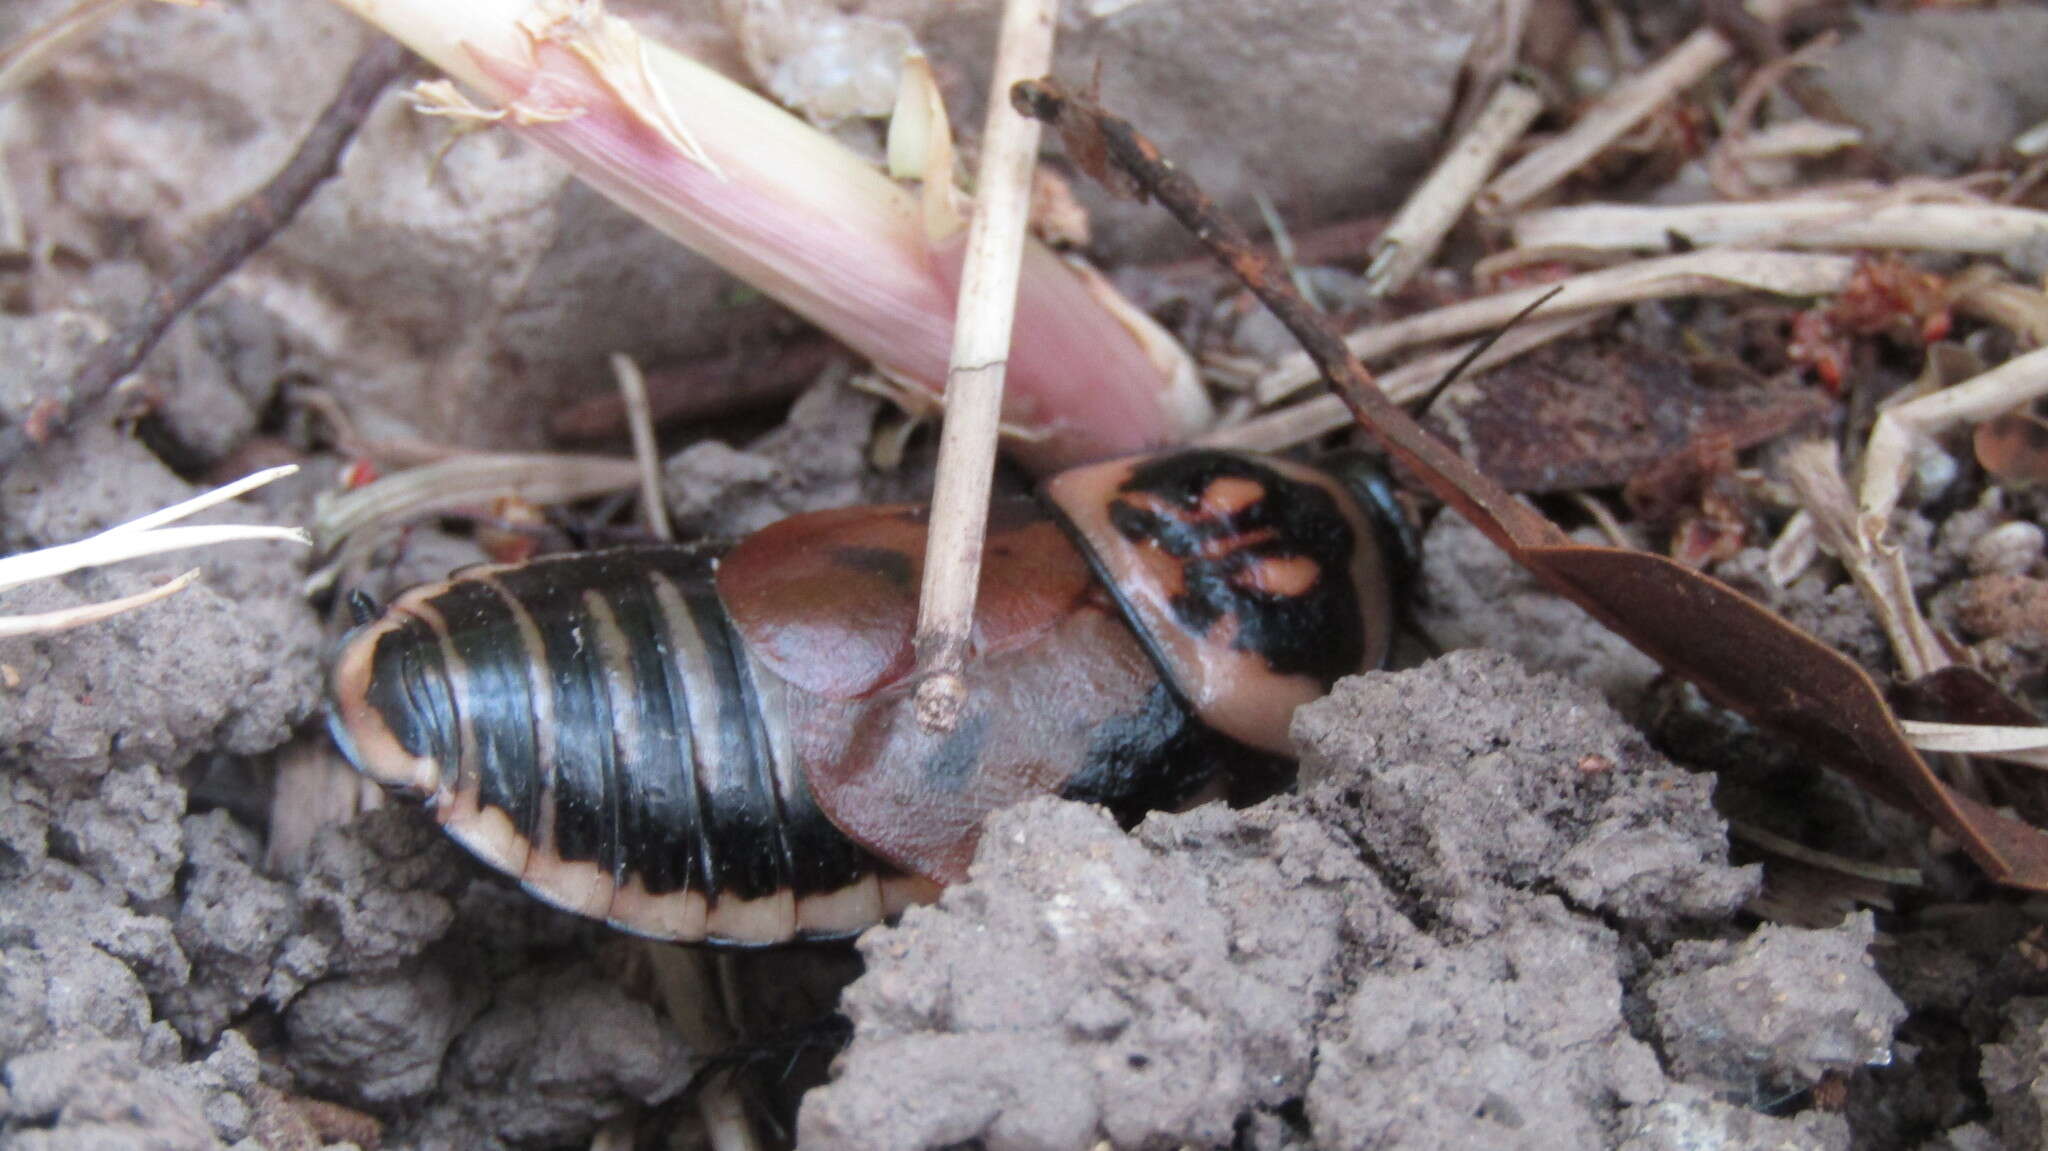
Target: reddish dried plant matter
(1887,297)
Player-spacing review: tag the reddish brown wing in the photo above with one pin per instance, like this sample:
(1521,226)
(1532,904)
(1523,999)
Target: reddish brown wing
(1033,714)
(829,600)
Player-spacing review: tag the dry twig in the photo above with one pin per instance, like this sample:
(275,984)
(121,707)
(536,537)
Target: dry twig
(1888,461)
(1725,164)
(1975,229)
(247,227)
(974,381)
(1494,55)
(1417,231)
(1692,274)
(1097,140)
(1621,109)
(1738,652)
(1864,545)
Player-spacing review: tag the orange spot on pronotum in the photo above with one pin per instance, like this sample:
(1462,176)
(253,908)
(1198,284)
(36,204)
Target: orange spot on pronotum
(1230,495)
(1283,576)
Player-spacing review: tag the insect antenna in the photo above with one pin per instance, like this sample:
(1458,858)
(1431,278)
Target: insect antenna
(1479,349)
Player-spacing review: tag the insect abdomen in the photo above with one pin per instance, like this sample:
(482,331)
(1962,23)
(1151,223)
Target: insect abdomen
(592,725)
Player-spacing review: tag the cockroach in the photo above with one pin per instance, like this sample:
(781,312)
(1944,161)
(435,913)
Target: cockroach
(717,743)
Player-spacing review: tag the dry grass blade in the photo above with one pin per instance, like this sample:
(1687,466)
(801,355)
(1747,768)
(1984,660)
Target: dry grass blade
(1693,274)
(1766,840)
(1795,549)
(113,547)
(1495,54)
(1622,108)
(26,57)
(688,981)
(1863,544)
(1889,459)
(2021,309)
(469,481)
(980,360)
(1973,229)
(2022,745)
(143,536)
(148,535)
(65,619)
(1727,165)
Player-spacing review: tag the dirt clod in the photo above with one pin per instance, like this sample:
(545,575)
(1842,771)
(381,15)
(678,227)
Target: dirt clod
(230,926)
(1089,985)
(98,1097)
(1515,1036)
(377,1038)
(1782,1007)
(1462,906)
(230,664)
(559,1052)
(817,459)
(1468,773)
(2014,1075)
(1938,89)
(1472,595)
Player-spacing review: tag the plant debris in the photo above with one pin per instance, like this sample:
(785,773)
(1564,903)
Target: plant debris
(1695,626)
(1581,415)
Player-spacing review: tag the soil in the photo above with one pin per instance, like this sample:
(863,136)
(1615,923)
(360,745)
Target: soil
(1516,899)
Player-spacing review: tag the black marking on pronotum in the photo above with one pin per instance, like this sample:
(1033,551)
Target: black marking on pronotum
(1288,520)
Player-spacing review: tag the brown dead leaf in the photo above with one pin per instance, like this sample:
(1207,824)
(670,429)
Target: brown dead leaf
(1958,694)
(1588,413)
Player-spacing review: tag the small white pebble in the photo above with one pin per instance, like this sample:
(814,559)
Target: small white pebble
(1933,471)
(2008,549)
